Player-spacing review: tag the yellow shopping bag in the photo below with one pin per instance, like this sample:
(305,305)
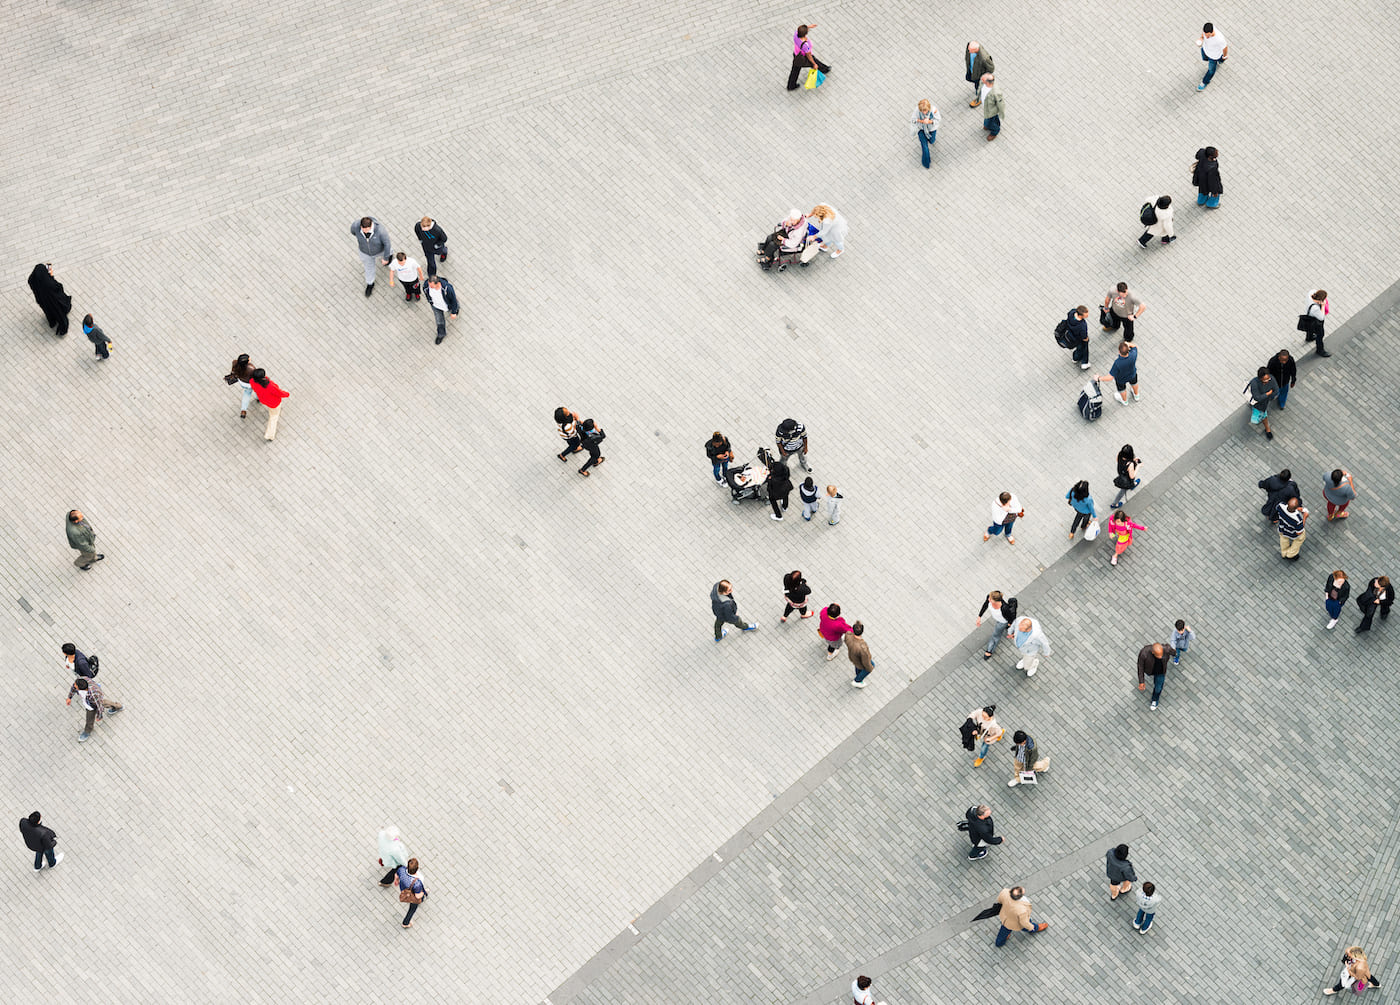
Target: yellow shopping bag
(811,84)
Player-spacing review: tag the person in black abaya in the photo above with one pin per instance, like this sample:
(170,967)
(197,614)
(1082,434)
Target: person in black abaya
(49,295)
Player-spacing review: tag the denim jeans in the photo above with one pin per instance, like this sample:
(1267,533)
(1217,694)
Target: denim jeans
(721,469)
(926,141)
(441,319)
(247,390)
(1211,71)
(1003,933)
(413,908)
(39,857)
(982,748)
(1143,921)
(862,674)
(998,528)
(1283,393)
(994,639)
(1157,681)
(992,125)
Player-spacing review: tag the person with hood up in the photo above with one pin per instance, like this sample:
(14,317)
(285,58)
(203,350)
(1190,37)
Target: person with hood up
(392,854)
(1281,488)
(779,484)
(1121,873)
(40,840)
(1031,643)
(49,295)
(1205,175)
(795,592)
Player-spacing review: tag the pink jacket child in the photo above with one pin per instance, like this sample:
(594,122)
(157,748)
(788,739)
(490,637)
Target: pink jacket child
(832,628)
(1120,532)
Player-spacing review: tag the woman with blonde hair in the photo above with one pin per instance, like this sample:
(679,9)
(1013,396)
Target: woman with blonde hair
(924,124)
(830,229)
(1356,973)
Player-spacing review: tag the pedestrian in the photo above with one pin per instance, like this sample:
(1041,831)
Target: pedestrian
(1180,639)
(375,247)
(51,298)
(1083,505)
(1214,50)
(1338,490)
(1205,175)
(40,840)
(1077,335)
(1261,391)
(1005,512)
(1356,973)
(726,610)
(77,664)
(1026,755)
(1314,322)
(568,432)
(833,506)
(832,628)
(592,435)
(802,56)
(1121,873)
(980,831)
(271,397)
(977,63)
(94,701)
(1292,532)
(443,300)
(720,453)
(979,731)
(861,993)
(1147,900)
(1161,225)
(411,889)
(1334,596)
(993,106)
(433,240)
(1284,371)
(82,538)
(1031,643)
(1016,915)
(858,650)
(831,229)
(791,437)
(240,375)
(811,498)
(407,271)
(924,124)
(1123,373)
(1127,477)
(97,337)
(1120,532)
(1280,488)
(1121,309)
(795,594)
(1152,662)
(1002,611)
(1377,597)
(392,854)
(778,484)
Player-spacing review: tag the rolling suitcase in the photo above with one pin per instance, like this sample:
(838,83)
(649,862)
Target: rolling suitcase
(1091,401)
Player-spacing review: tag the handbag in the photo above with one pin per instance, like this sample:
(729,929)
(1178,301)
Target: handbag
(812,75)
(409,897)
(1091,531)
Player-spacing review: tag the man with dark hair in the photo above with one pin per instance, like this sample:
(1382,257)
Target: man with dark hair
(791,436)
(40,840)
(1261,391)
(1152,662)
(1123,372)
(980,831)
(592,435)
(1292,518)
(1077,335)
(375,247)
(434,241)
(411,882)
(1214,50)
(1016,915)
(76,663)
(861,993)
(442,298)
(82,539)
(1285,373)
(725,608)
(94,702)
(1026,755)
(1120,309)
(859,652)
(802,56)
(1338,491)
(1280,487)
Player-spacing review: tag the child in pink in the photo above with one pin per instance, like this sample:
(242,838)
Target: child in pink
(832,628)
(1120,532)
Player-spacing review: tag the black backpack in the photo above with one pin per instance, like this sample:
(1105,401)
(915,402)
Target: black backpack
(92,663)
(1148,214)
(1062,335)
(595,435)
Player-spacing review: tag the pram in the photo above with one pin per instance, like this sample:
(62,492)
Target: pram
(748,481)
(787,245)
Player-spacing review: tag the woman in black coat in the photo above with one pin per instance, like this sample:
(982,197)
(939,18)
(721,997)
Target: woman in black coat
(1378,596)
(795,592)
(49,295)
(1205,175)
(779,485)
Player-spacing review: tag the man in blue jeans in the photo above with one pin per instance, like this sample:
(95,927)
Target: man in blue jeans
(1015,915)
(1214,49)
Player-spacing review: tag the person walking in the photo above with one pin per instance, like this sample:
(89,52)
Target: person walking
(40,840)
(97,337)
(979,731)
(94,701)
(82,538)
(1077,335)
(51,298)
(1031,643)
(993,107)
(392,854)
(1083,505)
(1284,372)
(1280,488)
(725,607)
(811,498)
(433,239)
(802,56)
(1334,596)
(831,229)
(1152,662)
(1123,373)
(1002,612)
(375,247)
(1180,639)
(859,653)
(77,664)
(407,271)
(833,506)
(1161,224)
(443,300)
(720,453)
(1005,512)
(861,993)
(1121,874)
(795,594)
(1120,532)
(1015,915)
(924,124)
(980,831)
(1338,490)
(1121,309)
(240,375)
(1292,532)
(791,437)
(592,437)
(778,484)
(1356,974)
(1214,50)
(1147,900)
(1261,391)
(411,889)
(271,397)
(568,432)
(1378,596)
(1314,321)
(1026,755)
(977,63)
(1205,175)
(1127,477)
(832,628)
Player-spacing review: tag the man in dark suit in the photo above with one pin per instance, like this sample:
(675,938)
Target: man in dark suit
(1281,487)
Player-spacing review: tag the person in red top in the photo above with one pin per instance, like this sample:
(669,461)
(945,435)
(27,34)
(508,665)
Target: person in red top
(271,396)
(832,628)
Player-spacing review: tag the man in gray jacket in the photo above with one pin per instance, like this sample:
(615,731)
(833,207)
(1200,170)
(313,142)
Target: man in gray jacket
(726,610)
(82,539)
(375,248)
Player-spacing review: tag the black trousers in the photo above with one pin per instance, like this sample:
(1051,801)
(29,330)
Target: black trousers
(572,446)
(1080,520)
(1114,321)
(431,251)
(594,452)
(389,876)
(784,499)
(790,608)
(1365,625)
(798,62)
(413,289)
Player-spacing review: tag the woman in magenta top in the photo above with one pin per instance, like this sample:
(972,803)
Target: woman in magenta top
(832,628)
(1120,532)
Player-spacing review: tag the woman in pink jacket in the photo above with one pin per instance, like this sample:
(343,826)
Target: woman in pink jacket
(832,628)
(1120,532)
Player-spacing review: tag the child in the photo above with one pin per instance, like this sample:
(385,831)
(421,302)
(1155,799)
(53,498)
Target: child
(833,505)
(1120,532)
(99,339)
(1148,898)
(1180,639)
(410,273)
(810,503)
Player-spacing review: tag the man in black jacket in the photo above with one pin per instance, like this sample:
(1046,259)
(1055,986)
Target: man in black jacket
(1281,487)
(980,831)
(779,485)
(434,241)
(78,665)
(1078,335)
(1285,373)
(443,300)
(40,840)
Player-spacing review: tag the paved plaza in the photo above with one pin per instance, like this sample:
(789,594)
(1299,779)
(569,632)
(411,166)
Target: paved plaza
(405,610)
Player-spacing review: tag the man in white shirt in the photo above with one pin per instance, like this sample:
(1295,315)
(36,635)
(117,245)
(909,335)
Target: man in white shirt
(408,272)
(861,993)
(1214,49)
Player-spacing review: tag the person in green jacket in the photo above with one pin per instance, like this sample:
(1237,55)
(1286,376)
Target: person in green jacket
(82,539)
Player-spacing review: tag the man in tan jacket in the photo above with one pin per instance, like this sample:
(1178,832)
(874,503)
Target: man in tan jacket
(859,652)
(1015,914)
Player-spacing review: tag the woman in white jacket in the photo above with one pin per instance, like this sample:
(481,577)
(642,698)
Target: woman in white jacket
(1163,227)
(392,854)
(831,229)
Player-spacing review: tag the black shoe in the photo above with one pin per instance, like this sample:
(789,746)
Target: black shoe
(1268,435)
(438,340)
(563,457)
(977,854)
(986,656)
(442,257)
(1324,355)
(369,289)
(85,568)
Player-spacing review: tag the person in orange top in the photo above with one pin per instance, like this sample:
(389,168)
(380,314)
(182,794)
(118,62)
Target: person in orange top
(271,396)
(1120,532)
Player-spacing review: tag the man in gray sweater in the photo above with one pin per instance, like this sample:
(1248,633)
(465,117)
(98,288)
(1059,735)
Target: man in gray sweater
(375,248)
(726,610)
(82,539)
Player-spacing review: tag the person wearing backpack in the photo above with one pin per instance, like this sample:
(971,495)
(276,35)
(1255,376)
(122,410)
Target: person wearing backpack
(1205,175)
(1073,333)
(593,435)
(1157,218)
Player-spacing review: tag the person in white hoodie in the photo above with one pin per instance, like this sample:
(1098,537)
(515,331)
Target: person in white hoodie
(1031,643)
(1147,900)
(392,854)
(1163,226)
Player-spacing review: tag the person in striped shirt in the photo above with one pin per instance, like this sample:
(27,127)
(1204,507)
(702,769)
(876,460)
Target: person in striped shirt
(568,432)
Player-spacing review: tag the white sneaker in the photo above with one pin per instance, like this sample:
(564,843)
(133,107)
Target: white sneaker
(1332,624)
(1020,664)
(1030,672)
(830,656)
(858,683)
(58,857)
(774,516)
(1123,400)
(1136,396)
(1083,366)
(1013,783)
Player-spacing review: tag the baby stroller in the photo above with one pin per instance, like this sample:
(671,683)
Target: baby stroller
(749,481)
(788,244)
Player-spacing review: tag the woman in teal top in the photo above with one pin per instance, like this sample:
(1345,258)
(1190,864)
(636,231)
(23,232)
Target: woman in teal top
(1083,504)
